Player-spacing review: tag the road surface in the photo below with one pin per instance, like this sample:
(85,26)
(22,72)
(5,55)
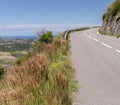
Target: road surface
(96,59)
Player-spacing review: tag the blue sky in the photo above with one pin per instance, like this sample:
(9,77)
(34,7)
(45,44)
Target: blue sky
(28,16)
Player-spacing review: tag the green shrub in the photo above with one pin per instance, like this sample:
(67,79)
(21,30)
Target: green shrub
(105,17)
(38,47)
(2,72)
(118,36)
(115,8)
(112,10)
(47,37)
(19,61)
(43,39)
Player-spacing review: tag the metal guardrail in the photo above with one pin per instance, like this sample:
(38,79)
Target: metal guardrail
(67,32)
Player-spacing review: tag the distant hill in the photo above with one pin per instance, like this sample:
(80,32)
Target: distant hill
(111,19)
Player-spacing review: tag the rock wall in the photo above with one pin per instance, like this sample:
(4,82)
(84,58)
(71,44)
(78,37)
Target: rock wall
(111,25)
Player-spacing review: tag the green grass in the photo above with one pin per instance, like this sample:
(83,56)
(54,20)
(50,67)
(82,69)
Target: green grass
(109,34)
(118,35)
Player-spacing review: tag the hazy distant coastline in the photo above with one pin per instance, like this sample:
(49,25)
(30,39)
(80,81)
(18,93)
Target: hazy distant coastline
(11,37)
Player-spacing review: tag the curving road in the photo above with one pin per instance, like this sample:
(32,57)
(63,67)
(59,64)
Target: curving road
(96,59)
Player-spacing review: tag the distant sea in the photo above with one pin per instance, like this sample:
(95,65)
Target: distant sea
(34,37)
(11,37)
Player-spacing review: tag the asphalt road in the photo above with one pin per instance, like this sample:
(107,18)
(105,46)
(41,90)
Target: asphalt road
(96,59)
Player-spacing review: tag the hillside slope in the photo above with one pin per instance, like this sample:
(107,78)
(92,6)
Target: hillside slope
(111,19)
(43,77)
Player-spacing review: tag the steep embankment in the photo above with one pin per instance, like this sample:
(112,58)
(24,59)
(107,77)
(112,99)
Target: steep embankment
(42,77)
(111,19)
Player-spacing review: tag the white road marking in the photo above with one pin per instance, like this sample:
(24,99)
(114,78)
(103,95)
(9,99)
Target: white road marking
(95,40)
(106,45)
(90,37)
(118,51)
(87,35)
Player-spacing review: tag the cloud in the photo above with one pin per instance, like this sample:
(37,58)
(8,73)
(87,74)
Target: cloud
(31,29)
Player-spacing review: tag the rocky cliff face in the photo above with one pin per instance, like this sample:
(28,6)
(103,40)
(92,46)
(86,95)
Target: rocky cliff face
(111,25)
(111,19)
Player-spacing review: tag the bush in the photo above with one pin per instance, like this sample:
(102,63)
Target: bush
(43,39)
(19,61)
(118,35)
(113,9)
(38,47)
(2,72)
(47,37)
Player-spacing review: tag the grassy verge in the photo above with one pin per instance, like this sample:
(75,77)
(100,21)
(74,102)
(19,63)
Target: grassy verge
(44,78)
(109,34)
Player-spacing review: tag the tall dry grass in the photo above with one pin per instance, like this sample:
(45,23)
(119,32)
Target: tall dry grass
(40,80)
(25,82)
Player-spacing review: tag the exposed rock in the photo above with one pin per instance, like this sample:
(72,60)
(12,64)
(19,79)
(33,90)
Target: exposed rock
(111,19)
(111,25)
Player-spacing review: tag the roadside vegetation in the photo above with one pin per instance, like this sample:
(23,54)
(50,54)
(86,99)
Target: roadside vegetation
(43,76)
(109,34)
(112,11)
